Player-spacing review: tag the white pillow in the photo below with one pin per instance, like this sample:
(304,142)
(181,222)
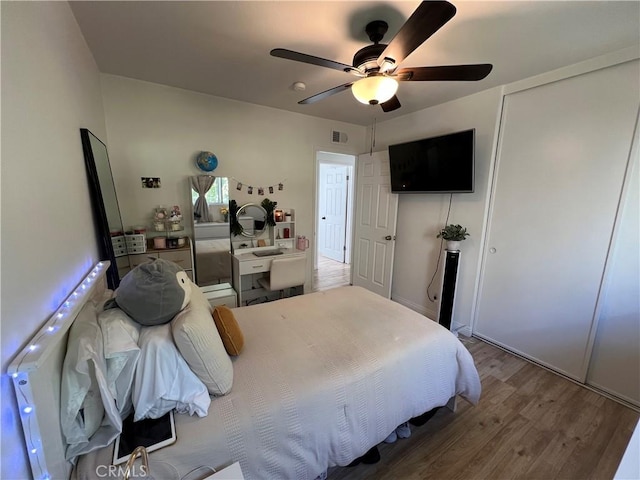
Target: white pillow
(121,352)
(89,417)
(163,380)
(199,342)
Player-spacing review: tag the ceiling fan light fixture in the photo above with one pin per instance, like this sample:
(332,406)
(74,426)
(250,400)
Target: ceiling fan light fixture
(374,89)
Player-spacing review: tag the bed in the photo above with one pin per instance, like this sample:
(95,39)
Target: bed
(323,378)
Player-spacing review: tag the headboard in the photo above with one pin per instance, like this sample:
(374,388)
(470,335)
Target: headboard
(36,373)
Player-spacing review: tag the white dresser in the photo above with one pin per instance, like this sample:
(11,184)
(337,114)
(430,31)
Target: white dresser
(181,256)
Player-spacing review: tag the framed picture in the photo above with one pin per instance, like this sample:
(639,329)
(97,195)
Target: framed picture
(150,182)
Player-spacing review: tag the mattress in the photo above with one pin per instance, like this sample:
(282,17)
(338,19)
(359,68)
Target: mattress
(322,378)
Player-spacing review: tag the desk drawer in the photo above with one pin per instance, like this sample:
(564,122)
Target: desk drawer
(255,266)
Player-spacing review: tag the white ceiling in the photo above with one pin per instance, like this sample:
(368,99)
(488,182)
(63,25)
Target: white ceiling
(222,47)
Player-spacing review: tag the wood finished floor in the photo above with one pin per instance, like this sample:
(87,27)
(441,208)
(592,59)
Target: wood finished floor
(330,274)
(529,424)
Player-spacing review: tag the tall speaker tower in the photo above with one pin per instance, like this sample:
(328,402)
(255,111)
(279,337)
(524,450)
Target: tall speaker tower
(448,294)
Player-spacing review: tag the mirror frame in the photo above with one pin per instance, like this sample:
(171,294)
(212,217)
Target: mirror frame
(103,231)
(256,233)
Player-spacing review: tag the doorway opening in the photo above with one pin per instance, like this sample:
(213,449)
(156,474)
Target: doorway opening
(334,212)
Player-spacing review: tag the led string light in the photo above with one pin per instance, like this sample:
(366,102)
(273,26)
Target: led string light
(32,433)
(20,374)
(270,189)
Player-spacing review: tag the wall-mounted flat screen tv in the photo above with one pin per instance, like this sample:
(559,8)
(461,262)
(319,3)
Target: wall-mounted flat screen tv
(443,164)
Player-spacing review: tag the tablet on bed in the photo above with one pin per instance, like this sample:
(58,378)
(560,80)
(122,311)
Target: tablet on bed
(150,433)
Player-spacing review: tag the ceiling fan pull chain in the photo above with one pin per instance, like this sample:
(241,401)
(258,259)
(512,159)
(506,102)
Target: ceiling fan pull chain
(373,136)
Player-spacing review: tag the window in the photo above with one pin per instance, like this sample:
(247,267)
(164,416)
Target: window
(218,194)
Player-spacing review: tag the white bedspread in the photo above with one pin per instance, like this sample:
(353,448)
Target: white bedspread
(323,378)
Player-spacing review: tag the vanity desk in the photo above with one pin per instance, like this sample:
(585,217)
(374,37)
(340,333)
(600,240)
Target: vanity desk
(247,268)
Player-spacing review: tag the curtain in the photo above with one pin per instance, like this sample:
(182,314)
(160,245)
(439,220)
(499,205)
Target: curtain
(201,184)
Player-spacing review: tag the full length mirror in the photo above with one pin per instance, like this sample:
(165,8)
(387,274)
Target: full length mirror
(103,199)
(212,245)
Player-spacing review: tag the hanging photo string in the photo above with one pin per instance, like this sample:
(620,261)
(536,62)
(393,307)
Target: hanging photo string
(259,190)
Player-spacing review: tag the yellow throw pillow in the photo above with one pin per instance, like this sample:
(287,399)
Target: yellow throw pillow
(229,330)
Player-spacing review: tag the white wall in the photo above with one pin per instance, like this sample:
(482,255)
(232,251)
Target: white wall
(421,216)
(157,131)
(50,89)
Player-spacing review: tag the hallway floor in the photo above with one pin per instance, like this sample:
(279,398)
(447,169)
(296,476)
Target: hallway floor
(330,274)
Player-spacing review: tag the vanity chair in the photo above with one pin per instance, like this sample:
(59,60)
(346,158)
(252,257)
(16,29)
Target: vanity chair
(284,274)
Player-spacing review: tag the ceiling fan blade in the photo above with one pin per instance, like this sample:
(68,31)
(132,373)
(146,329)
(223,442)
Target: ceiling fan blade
(327,93)
(304,58)
(444,73)
(390,105)
(427,19)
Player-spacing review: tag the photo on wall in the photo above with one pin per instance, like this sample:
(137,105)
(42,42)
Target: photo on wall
(150,182)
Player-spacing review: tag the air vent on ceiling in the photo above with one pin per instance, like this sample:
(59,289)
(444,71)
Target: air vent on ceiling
(338,137)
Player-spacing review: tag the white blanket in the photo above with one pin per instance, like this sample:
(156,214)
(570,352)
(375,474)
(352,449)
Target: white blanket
(323,378)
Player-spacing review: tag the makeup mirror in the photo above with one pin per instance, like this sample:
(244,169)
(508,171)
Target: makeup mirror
(253,219)
(104,202)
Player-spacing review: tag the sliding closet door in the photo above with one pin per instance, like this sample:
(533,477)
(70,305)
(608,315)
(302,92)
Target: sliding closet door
(562,155)
(615,359)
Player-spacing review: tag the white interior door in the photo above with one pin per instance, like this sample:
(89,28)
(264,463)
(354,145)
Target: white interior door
(562,155)
(375,224)
(333,211)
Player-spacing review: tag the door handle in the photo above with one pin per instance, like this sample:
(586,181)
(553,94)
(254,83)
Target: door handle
(389,237)
(324,218)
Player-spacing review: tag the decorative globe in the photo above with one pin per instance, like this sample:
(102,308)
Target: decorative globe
(207,161)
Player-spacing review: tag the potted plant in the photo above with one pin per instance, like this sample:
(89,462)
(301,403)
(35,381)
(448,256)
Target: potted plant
(224,211)
(269,206)
(453,234)
(234,224)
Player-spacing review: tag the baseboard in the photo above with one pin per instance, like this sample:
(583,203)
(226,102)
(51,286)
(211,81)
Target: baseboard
(459,328)
(415,307)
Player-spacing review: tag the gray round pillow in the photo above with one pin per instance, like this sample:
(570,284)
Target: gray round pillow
(154,292)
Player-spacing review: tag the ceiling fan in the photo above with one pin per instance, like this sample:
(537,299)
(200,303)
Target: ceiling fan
(377,64)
